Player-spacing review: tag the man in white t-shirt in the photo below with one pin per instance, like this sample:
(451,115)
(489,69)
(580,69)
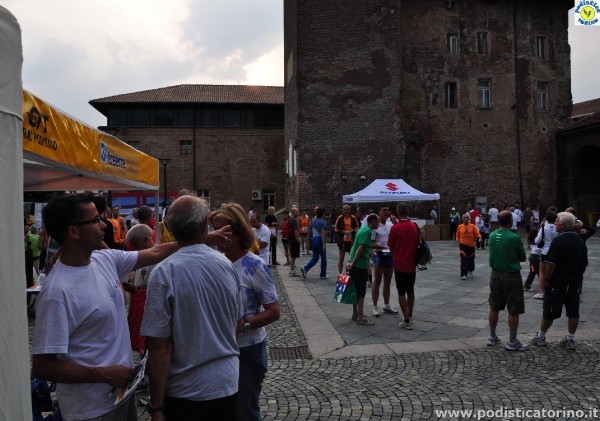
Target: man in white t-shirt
(263,236)
(493,215)
(81,340)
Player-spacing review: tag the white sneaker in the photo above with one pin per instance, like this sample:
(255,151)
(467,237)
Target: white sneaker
(470,274)
(463,277)
(406,325)
(375,311)
(539,296)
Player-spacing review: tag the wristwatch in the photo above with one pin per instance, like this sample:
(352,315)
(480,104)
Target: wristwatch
(247,326)
(153,410)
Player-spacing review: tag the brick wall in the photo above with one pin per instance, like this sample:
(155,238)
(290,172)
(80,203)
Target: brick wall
(367,98)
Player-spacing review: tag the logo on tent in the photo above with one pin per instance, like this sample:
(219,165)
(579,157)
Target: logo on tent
(391,186)
(110,159)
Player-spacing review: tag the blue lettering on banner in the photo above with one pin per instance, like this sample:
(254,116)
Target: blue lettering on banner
(108,158)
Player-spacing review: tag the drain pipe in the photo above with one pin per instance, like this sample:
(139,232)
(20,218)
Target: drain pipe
(517,126)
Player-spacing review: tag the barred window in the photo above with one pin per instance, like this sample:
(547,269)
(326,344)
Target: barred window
(185,147)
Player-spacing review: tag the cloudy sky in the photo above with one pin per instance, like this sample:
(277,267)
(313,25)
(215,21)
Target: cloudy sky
(75,51)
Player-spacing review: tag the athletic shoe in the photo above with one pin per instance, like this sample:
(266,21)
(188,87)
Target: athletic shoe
(537,340)
(286,264)
(364,321)
(303,273)
(354,317)
(539,296)
(568,343)
(389,310)
(323,277)
(493,341)
(406,325)
(369,284)
(470,274)
(293,274)
(375,311)
(517,345)
(463,277)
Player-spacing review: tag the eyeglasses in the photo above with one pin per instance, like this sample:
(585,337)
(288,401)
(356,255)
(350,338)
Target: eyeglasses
(95,220)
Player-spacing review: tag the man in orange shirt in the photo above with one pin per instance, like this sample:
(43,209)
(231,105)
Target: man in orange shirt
(465,235)
(346,225)
(304,222)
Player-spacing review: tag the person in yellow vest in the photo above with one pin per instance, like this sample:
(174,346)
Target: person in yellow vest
(165,233)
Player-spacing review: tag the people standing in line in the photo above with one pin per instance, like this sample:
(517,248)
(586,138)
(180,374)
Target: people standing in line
(383,262)
(192,315)
(263,236)
(565,264)
(506,286)
(493,217)
(272,224)
(403,242)
(285,235)
(454,221)
(534,259)
(466,235)
(358,268)
(261,307)
(303,223)
(294,240)
(547,233)
(80,338)
(346,226)
(318,226)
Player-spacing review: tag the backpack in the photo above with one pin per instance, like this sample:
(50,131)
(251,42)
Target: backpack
(424,255)
(41,401)
(286,230)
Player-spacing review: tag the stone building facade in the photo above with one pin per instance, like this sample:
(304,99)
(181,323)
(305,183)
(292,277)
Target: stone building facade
(224,143)
(462,98)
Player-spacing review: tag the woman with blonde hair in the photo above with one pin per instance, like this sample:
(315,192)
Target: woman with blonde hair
(261,306)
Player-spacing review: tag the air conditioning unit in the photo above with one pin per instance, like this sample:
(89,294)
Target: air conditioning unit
(256,194)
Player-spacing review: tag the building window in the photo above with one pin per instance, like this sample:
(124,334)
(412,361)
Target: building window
(450,97)
(450,4)
(185,147)
(452,43)
(541,47)
(268,199)
(542,96)
(484,90)
(482,43)
(205,194)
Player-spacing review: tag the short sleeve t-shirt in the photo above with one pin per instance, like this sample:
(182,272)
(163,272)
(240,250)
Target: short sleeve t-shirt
(318,225)
(569,253)
(81,318)
(506,251)
(363,237)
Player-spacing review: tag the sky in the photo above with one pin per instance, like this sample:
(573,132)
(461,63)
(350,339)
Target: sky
(75,51)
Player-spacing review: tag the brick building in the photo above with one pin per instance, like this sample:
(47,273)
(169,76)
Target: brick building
(225,142)
(462,98)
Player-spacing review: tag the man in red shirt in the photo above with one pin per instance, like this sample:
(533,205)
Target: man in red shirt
(403,242)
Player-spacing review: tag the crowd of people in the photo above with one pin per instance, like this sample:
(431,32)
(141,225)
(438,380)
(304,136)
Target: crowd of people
(198,302)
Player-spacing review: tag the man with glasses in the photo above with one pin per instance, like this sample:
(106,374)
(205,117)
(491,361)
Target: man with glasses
(346,226)
(81,339)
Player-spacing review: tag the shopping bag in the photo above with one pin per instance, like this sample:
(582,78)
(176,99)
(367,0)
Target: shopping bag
(345,290)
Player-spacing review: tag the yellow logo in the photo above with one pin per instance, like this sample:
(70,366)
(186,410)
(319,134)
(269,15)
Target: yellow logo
(586,13)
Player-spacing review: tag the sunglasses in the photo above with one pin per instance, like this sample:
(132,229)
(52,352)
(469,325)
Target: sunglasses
(95,220)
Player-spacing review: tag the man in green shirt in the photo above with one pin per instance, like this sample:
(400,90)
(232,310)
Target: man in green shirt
(358,267)
(506,286)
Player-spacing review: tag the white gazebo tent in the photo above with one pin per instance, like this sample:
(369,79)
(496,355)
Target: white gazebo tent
(389,190)
(15,399)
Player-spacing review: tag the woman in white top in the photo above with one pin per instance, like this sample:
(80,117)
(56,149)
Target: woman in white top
(547,233)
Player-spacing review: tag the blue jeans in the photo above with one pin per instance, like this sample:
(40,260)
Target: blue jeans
(318,252)
(253,367)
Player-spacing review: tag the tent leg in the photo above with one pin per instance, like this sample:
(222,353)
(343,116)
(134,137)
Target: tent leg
(157,214)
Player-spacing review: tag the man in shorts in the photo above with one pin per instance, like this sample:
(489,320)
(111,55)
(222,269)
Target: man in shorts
(403,242)
(346,225)
(506,286)
(383,262)
(358,268)
(566,262)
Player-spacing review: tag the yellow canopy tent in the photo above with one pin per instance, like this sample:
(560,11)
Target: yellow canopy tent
(61,153)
